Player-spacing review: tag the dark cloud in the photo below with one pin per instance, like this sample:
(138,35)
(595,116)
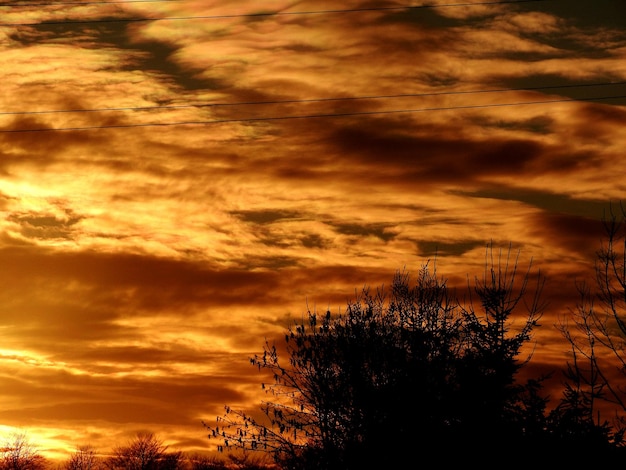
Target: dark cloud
(595,115)
(39,226)
(537,125)
(121,412)
(314,241)
(603,90)
(103,297)
(268,216)
(439,248)
(581,235)
(384,232)
(597,123)
(193,281)
(93,292)
(597,16)
(425,17)
(111,31)
(549,201)
(436,158)
(557,84)
(130,399)
(64,32)
(158,58)
(43,147)
(269,262)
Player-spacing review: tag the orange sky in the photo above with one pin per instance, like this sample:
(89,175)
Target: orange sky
(143,261)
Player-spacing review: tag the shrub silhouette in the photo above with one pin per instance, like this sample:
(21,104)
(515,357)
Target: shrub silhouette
(401,373)
(144,452)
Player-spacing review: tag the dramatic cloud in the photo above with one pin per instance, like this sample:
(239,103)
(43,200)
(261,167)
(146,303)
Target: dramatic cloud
(180,180)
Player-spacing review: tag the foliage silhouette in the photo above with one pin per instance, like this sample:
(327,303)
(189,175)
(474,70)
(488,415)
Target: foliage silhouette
(593,398)
(399,373)
(18,453)
(144,452)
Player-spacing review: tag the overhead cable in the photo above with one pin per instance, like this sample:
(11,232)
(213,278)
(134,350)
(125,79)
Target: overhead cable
(311,116)
(311,100)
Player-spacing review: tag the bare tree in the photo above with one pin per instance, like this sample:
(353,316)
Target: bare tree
(596,332)
(18,453)
(85,458)
(144,452)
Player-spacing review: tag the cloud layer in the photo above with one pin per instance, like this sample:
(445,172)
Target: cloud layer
(179,179)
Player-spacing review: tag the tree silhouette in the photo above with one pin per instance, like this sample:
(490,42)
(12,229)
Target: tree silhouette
(84,458)
(18,453)
(594,401)
(144,452)
(397,374)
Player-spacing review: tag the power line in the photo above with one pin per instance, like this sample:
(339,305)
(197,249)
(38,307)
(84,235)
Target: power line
(281,13)
(311,100)
(312,116)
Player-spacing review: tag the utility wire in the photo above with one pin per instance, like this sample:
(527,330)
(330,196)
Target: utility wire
(281,13)
(311,100)
(311,116)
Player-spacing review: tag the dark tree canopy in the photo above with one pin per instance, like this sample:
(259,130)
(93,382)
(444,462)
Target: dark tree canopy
(144,452)
(400,372)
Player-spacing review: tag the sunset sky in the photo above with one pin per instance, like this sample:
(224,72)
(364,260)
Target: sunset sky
(179,179)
